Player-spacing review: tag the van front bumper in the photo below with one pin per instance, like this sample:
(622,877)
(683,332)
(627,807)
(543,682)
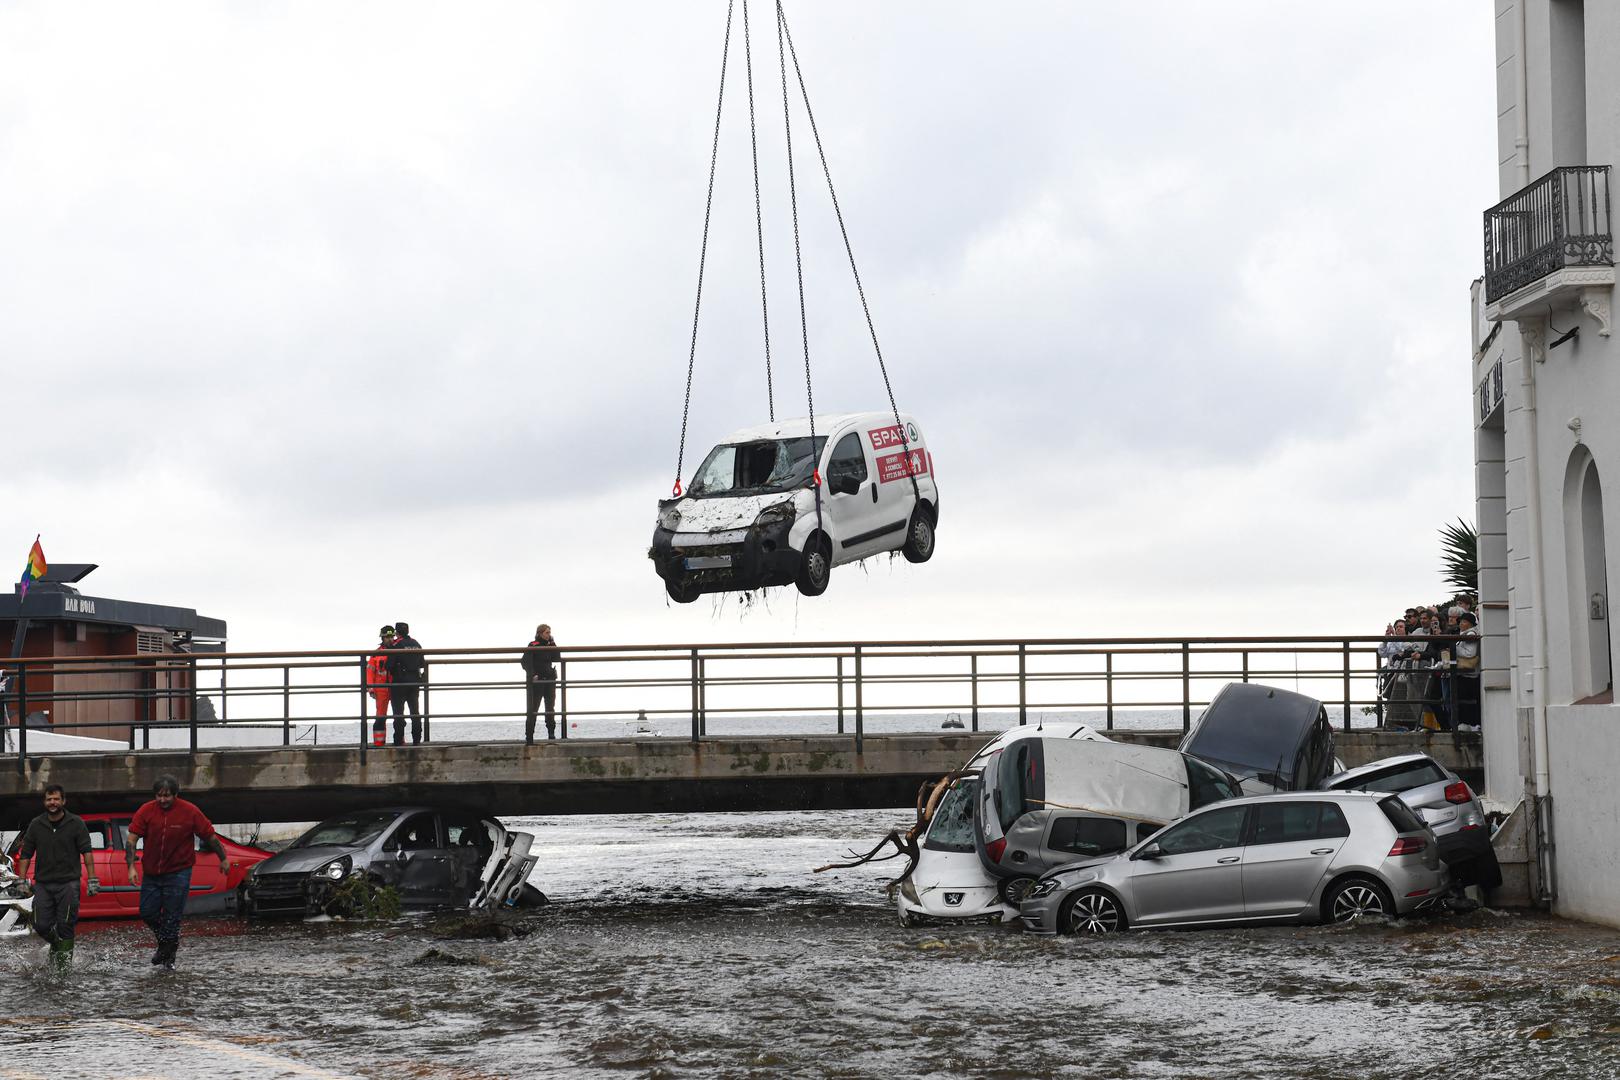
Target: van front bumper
(760,559)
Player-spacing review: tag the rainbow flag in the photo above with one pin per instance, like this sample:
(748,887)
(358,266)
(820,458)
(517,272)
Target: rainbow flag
(33,570)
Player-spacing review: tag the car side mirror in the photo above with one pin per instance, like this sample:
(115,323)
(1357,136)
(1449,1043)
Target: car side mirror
(1152,851)
(845,484)
(401,855)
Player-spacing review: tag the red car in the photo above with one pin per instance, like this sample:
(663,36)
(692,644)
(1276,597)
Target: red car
(118,899)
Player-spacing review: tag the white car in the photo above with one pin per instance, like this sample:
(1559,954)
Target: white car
(949,884)
(773,506)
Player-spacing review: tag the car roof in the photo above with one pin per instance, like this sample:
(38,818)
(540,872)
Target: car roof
(1299,796)
(1385,763)
(799,426)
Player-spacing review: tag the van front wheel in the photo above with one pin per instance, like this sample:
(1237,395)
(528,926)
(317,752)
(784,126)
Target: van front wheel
(919,545)
(681,593)
(815,567)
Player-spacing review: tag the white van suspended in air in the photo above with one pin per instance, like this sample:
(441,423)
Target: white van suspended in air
(757,512)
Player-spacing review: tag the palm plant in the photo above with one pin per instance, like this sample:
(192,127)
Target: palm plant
(1459,556)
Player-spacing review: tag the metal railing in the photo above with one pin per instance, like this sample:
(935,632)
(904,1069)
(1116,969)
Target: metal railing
(1563,219)
(848,688)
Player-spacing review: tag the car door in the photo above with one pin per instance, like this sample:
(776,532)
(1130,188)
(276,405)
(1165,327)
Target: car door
(426,870)
(1291,846)
(852,500)
(894,463)
(107,859)
(115,882)
(205,875)
(470,847)
(1198,875)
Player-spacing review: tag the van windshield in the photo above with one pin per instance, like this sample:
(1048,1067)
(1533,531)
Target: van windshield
(755,468)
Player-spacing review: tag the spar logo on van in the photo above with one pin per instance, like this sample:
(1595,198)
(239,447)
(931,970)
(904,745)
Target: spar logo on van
(884,437)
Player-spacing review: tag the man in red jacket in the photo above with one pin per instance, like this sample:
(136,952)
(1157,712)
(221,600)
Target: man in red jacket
(377,684)
(167,825)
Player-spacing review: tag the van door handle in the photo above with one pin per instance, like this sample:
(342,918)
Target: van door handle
(1321,851)
(874,492)
(1229,858)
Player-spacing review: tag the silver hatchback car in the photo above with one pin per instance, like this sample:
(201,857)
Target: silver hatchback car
(1319,856)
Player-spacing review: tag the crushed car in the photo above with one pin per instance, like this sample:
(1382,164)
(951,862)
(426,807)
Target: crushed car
(1446,804)
(212,893)
(1270,739)
(756,513)
(1044,802)
(434,857)
(1286,857)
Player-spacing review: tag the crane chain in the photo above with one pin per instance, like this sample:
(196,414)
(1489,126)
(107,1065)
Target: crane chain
(759,217)
(905,442)
(703,252)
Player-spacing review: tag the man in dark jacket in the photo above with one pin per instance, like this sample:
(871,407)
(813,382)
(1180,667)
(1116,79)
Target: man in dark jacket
(57,841)
(405,671)
(540,661)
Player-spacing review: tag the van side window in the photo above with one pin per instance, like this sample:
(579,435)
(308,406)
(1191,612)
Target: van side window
(848,459)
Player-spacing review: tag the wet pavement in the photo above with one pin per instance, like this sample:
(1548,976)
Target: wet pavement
(702,946)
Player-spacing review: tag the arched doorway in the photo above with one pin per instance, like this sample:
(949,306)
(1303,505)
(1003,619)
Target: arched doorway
(1591,654)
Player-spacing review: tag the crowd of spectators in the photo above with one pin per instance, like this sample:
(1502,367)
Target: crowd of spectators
(1431,667)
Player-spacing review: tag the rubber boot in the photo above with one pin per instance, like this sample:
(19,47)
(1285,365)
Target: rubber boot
(61,954)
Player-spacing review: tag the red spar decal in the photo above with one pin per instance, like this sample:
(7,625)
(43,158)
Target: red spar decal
(899,466)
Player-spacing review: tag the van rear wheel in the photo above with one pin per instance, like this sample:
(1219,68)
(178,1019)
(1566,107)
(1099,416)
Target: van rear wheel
(680,592)
(815,566)
(919,545)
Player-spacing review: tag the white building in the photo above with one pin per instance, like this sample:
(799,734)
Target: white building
(1547,418)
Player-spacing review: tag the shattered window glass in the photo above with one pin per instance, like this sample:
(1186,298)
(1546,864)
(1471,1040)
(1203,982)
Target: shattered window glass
(761,467)
(952,829)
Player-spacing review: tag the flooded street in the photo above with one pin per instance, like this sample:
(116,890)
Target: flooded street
(702,945)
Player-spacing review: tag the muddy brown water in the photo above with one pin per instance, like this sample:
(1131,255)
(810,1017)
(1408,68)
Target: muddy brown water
(700,945)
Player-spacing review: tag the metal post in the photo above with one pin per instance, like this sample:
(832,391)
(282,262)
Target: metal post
(697,732)
(224,695)
(860,704)
(562,694)
(365,736)
(286,705)
(1245,665)
(193,706)
(973,677)
(1186,685)
(427,703)
(22,715)
(703,695)
(1108,681)
(840,660)
(1023,705)
(1378,687)
(1347,686)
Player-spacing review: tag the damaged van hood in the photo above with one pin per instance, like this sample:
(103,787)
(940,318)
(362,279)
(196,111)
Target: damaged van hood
(726,511)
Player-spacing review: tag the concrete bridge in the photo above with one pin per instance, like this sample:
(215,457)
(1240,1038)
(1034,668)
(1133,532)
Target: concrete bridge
(573,776)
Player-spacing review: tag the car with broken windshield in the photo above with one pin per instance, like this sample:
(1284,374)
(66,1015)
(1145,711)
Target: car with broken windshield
(434,857)
(785,503)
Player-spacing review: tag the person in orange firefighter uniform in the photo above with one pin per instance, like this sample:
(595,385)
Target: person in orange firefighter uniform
(377,681)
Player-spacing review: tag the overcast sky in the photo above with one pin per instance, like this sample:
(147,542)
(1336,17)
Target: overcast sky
(316,316)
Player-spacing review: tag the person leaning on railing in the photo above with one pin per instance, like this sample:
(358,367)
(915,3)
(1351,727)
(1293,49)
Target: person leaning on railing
(1465,698)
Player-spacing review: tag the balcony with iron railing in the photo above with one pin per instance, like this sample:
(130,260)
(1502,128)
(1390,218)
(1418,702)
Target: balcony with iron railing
(1551,243)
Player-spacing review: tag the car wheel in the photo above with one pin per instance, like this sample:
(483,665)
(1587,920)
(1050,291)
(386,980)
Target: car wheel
(1091,911)
(1013,890)
(919,545)
(815,566)
(681,593)
(1357,898)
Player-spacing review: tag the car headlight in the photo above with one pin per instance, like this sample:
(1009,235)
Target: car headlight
(1042,888)
(909,891)
(780,514)
(335,869)
(670,518)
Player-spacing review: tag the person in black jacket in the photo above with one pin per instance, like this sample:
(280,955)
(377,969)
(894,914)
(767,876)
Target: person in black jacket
(57,841)
(540,661)
(405,679)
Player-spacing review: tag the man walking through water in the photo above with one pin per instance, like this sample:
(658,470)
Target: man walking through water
(58,842)
(167,824)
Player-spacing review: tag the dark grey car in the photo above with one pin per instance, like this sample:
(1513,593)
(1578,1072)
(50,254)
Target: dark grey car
(434,857)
